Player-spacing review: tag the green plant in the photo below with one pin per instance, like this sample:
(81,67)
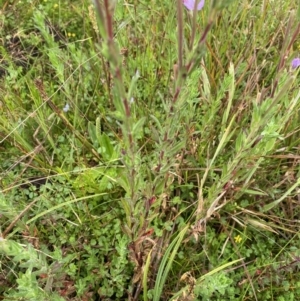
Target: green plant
(152,155)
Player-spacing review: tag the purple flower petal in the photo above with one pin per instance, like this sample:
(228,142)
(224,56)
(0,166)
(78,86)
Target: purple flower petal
(296,62)
(190,4)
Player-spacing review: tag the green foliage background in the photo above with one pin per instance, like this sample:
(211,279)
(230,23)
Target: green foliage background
(174,175)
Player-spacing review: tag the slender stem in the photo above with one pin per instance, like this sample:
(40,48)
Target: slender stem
(180,35)
(108,20)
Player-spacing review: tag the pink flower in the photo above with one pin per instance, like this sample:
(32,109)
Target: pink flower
(190,4)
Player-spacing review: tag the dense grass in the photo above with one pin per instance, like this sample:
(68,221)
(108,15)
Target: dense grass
(150,154)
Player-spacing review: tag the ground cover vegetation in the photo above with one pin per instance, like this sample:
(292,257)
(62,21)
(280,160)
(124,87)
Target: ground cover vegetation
(149,150)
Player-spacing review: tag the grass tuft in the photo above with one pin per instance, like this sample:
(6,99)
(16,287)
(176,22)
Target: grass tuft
(149,151)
